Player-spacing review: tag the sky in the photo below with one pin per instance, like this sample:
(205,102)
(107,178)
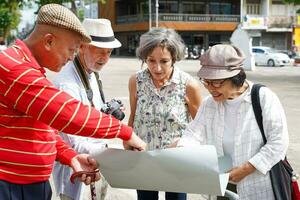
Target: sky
(28,16)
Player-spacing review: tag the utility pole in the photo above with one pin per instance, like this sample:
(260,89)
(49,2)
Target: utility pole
(150,15)
(91,9)
(156,13)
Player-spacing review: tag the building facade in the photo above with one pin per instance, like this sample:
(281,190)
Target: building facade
(201,23)
(269,22)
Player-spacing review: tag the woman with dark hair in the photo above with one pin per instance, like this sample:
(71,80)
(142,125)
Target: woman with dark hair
(227,121)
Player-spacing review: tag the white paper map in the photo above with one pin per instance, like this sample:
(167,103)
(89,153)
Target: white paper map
(189,170)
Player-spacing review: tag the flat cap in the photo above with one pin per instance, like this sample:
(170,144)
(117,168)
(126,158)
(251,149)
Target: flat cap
(62,17)
(221,61)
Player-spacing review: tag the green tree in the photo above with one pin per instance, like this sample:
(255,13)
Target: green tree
(9,16)
(296,2)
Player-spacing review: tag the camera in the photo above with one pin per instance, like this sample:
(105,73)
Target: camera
(113,107)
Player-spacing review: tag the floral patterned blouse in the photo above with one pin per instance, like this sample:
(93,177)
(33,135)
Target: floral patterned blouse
(161,114)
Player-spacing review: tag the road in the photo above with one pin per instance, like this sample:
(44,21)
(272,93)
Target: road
(284,81)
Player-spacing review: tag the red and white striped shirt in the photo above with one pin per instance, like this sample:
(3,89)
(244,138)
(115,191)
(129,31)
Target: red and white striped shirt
(32,110)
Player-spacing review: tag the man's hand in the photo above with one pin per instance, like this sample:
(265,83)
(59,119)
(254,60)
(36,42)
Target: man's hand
(238,173)
(134,143)
(83,162)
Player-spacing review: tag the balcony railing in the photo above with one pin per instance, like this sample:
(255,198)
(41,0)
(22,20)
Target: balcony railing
(280,21)
(179,18)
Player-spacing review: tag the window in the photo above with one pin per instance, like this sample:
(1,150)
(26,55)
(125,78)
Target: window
(255,50)
(168,6)
(253,9)
(131,8)
(277,2)
(253,1)
(223,7)
(190,7)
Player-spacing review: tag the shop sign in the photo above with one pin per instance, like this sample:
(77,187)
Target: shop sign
(297,36)
(254,22)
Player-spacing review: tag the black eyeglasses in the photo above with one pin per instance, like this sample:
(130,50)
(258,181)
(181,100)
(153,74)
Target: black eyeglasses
(215,83)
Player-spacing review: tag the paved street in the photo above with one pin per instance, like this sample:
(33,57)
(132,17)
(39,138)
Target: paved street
(285,81)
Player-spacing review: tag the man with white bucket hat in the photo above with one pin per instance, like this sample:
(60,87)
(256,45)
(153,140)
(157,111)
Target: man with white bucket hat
(81,80)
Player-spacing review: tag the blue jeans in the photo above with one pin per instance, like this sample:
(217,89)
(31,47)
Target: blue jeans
(153,195)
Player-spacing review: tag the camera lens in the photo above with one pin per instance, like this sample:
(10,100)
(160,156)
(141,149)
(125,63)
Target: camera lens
(118,114)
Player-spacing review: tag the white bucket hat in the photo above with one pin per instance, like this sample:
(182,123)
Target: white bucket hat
(101,33)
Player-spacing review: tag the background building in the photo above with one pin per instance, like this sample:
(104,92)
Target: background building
(202,23)
(270,22)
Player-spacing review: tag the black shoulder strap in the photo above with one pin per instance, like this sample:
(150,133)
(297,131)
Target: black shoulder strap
(84,79)
(257,108)
(99,82)
(86,83)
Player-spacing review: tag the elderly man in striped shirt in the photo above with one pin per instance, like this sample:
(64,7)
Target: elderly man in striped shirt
(32,110)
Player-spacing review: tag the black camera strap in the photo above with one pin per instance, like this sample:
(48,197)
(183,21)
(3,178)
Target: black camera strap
(84,79)
(99,82)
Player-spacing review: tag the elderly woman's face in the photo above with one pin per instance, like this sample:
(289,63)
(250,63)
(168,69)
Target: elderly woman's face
(221,89)
(160,65)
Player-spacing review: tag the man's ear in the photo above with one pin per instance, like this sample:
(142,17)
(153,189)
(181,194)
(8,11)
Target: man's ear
(49,40)
(82,44)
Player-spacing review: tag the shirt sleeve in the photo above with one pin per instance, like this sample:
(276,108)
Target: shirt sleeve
(64,152)
(29,92)
(195,134)
(83,145)
(79,144)
(276,132)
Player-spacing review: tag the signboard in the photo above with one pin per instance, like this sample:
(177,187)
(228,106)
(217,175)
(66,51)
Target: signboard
(254,22)
(297,36)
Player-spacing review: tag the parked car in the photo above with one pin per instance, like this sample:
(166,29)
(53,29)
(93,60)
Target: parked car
(269,56)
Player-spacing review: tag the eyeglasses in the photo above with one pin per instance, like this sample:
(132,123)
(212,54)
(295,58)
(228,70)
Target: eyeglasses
(214,83)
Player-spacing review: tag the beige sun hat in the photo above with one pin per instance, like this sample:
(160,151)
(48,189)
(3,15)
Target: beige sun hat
(60,16)
(221,61)
(101,33)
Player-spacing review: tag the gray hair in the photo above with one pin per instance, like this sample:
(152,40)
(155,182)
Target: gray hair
(163,37)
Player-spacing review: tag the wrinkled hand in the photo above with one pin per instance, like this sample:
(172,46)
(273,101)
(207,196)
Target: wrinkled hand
(134,143)
(83,162)
(236,174)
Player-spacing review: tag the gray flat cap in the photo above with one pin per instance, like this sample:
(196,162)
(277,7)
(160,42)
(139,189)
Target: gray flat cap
(221,61)
(62,17)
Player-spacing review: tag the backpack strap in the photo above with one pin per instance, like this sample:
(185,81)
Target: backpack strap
(257,108)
